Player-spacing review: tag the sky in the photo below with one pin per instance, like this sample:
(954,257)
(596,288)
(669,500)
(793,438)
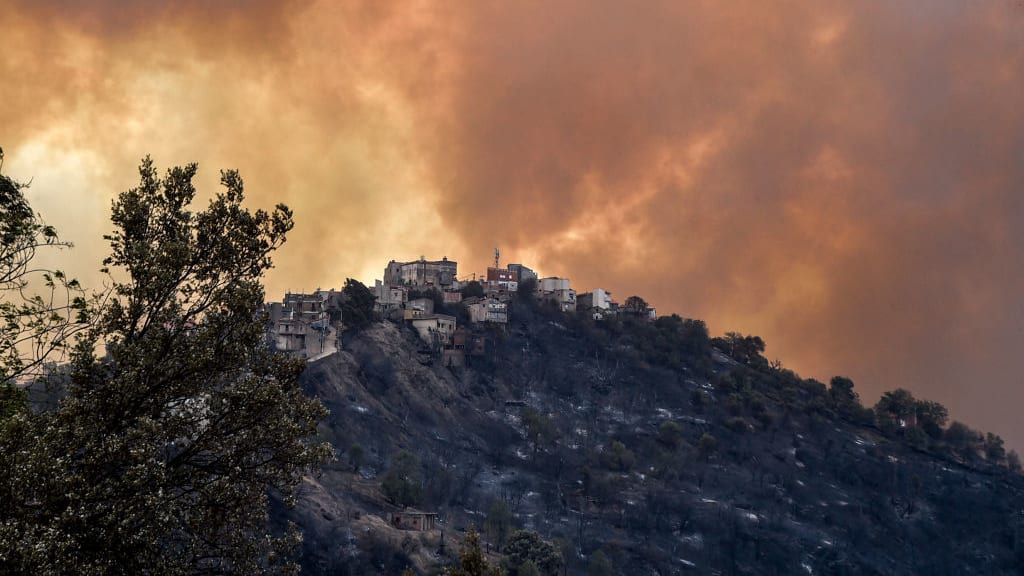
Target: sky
(844,179)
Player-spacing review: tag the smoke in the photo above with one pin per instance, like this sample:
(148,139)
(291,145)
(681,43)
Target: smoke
(843,179)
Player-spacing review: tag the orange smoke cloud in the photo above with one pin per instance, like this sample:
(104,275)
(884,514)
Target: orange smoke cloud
(842,179)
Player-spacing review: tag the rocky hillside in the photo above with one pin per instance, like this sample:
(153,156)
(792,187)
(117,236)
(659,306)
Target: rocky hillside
(636,448)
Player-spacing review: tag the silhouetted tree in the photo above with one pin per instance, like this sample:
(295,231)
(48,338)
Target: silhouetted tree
(995,452)
(931,417)
(41,309)
(963,440)
(894,408)
(472,288)
(636,305)
(745,349)
(161,457)
(357,304)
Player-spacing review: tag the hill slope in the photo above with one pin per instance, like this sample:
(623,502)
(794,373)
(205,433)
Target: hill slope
(644,443)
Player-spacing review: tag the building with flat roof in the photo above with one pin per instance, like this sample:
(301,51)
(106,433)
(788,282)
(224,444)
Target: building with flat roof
(422,272)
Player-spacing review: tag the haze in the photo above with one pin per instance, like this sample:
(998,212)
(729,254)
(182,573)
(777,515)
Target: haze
(843,179)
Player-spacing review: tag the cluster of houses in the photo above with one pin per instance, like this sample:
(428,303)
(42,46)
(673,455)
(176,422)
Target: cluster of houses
(308,325)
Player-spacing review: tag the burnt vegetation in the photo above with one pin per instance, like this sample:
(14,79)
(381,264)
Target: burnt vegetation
(647,447)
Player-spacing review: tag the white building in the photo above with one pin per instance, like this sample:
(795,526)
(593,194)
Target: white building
(487,310)
(435,329)
(559,291)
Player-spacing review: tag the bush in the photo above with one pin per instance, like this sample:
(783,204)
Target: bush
(618,457)
(670,434)
(527,547)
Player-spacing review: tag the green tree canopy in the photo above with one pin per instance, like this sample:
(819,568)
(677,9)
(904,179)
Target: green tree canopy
(403,483)
(357,304)
(525,547)
(162,457)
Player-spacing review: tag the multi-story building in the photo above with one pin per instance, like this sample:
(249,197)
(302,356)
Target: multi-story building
(598,299)
(487,309)
(501,279)
(435,329)
(306,325)
(389,297)
(559,291)
(521,273)
(439,273)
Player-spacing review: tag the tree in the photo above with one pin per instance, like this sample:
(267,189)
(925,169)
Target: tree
(357,304)
(931,417)
(706,446)
(963,440)
(540,431)
(1013,461)
(472,561)
(636,305)
(162,456)
(670,434)
(41,310)
(618,457)
(498,523)
(894,409)
(526,293)
(403,484)
(995,452)
(841,391)
(527,547)
(745,349)
(473,289)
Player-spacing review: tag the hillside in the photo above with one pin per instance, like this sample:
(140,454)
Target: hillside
(638,448)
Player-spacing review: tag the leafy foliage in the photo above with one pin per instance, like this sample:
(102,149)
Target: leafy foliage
(162,457)
(528,548)
(357,304)
(41,310)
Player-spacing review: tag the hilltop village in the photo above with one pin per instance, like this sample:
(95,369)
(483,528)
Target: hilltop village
(449,314)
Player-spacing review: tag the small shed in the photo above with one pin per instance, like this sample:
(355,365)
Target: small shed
(414,520)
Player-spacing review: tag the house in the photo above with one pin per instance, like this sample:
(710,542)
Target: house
(452,296)
(410,519)
(521,273)
(306,325)
(418,307)
(488,309)
(501,280)
(434,329)
(389,297)
(440,273)
(557,290)
(599,299)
